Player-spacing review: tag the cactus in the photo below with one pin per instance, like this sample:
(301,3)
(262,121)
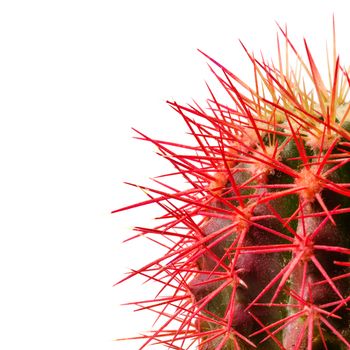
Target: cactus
(257,242)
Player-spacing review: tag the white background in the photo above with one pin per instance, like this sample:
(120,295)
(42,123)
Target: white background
(75,76)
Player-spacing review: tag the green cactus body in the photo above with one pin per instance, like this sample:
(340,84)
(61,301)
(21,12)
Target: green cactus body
(257,246)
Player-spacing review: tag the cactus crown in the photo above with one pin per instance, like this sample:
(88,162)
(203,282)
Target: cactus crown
(257,244)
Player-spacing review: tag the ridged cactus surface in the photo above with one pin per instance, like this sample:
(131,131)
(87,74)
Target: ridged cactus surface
(256,243)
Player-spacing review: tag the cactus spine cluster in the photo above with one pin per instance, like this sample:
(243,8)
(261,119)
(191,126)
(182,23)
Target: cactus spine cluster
(257,243)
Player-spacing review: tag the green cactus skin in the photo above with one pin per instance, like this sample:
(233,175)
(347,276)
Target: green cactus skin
(257,245)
